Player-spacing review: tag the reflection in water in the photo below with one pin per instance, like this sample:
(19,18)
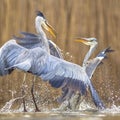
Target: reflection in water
(59,116)
(112,113)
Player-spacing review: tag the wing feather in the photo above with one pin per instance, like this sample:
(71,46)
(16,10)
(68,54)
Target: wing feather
(27,34)
(25,66)
(55,50)
(93,64)
(29,40)
(67,74)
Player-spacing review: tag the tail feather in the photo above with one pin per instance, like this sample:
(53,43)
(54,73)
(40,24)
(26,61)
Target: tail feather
(99,104)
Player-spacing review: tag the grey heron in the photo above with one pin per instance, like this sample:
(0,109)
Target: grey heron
(90,67)
(57,71)
(92,42)
(91,64)
(40,40)
(29,41)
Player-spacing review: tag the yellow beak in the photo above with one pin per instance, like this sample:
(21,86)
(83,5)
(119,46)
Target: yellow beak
(82,40)
(49,28)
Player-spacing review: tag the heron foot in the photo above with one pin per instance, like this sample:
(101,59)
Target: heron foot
(64,106)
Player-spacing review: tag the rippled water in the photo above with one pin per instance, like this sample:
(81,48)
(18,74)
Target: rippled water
(81,115)
(112,113)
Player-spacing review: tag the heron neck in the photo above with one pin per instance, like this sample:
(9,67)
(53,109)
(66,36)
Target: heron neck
(40,31)
(43,38)
(87,56)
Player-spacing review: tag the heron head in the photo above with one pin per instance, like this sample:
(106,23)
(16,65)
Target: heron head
(41,21)
(87,41)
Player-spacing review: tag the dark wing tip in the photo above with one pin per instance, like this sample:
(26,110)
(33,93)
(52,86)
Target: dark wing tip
(39,13)
(105,51)
(109,50)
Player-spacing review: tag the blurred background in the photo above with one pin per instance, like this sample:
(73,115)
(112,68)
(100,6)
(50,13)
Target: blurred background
(71,19)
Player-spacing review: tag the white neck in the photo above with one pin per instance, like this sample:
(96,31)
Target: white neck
(44,40)
(39,28)
(87,56)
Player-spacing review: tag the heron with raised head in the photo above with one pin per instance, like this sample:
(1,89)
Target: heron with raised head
(90,66)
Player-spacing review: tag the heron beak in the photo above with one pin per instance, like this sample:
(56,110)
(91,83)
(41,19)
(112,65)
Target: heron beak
(49,28)
(82,40)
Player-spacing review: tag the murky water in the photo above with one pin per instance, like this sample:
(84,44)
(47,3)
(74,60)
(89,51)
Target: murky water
(81,115)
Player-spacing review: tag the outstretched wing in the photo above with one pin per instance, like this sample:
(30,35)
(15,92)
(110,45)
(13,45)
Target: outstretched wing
(25,66)
(30,60)
(8,55)
(93,63)
(63,73)
(29,40)
(27,34)
(73,77)
(55,50)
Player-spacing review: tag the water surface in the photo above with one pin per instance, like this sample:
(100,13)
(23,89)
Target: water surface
(80,115)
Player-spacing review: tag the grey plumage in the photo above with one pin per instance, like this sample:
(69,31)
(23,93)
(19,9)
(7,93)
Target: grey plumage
(8,56)
(30,56)
(92,64)
(58,72)
(30,40)
(89,66)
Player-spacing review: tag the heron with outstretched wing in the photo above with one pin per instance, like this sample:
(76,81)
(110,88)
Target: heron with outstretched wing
(29,41)
(58,72)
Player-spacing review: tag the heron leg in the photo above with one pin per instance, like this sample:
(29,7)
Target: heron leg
(64,105)
(66,97)
(23,92)
(75,101)
(33,97)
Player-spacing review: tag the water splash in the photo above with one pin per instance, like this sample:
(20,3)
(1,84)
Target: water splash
(7,107)
(112,110)
(67,56)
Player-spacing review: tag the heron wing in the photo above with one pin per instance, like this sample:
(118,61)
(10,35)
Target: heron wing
(55,50)
(27,34)
(93,64)
(8,54)
(73,77)
(26,40)
(29,40)
(25,66)
(59,73)
(65,73)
